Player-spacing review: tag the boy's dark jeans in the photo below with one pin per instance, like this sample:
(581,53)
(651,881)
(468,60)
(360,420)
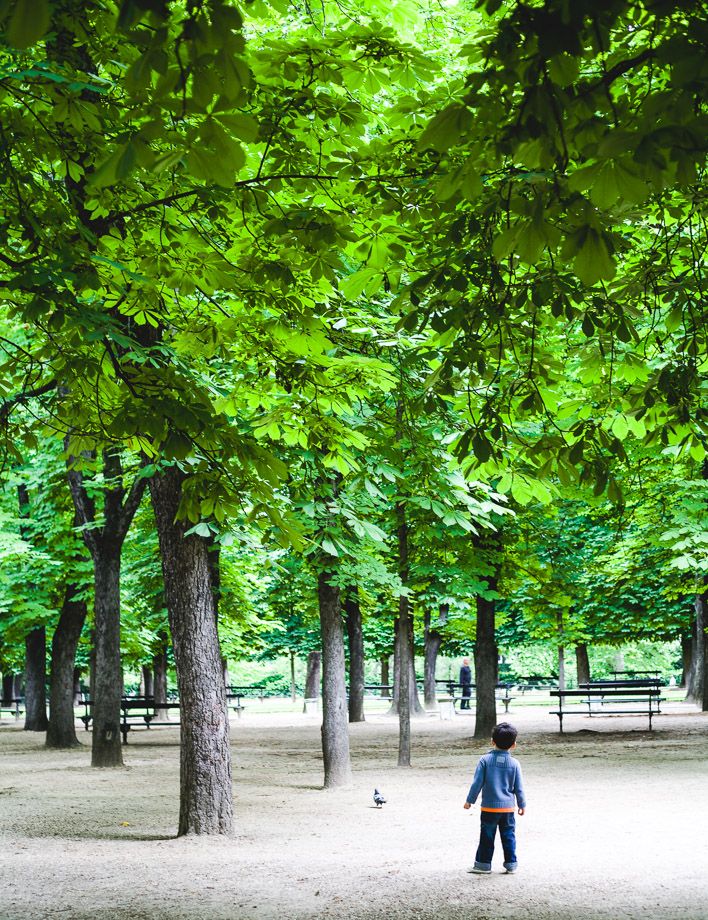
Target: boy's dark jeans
(490,821)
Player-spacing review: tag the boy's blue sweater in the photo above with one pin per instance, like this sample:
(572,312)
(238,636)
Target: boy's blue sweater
(498,778)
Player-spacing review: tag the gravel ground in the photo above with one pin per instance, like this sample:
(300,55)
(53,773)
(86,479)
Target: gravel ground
(616,827)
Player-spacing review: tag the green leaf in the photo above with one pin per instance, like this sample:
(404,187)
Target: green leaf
(28,23)
(593,262)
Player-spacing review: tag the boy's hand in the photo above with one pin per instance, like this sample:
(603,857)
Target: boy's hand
(467,806)
(522,811)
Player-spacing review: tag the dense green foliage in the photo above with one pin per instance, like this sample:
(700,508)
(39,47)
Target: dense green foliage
(343,261)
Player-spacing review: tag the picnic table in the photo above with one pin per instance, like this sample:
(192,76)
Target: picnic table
(610,698)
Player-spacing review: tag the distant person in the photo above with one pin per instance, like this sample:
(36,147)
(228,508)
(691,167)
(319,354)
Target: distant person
(498,778)
(466,683)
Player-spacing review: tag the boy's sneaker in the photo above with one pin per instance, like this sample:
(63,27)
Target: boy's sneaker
(477,871)
(510,871)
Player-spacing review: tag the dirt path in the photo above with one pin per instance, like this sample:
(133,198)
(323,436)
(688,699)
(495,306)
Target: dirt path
(617,827)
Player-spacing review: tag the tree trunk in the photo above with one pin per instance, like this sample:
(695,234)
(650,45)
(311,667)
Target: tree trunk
(686,659)
(36,680)
(582,660)
(704,607)
(698,682)
(355,636)
(293,688)
(159,667)
(77,680)
(61,732)
(206,800)
(335,728)
(106,741)
(8,686)
(433,641)
(148,682)
(385,676)
(413,699)
(312,680)
(485,666)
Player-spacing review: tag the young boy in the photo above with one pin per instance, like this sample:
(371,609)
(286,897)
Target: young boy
(498,778)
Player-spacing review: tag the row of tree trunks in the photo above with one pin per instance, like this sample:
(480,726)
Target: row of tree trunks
(206,800)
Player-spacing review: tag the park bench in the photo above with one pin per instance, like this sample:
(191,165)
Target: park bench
(234,690)
(12,706)
(608,699)
(447,703)
(536,682)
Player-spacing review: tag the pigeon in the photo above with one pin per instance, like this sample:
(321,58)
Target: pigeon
(379,800)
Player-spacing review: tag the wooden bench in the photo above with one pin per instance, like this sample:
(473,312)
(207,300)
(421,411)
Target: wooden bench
(605,699)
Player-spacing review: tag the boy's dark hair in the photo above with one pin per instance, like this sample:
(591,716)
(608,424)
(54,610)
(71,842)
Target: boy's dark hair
(504,735)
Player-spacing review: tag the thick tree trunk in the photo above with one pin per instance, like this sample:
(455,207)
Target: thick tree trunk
(106,741)
(355,636)
(433,641)
(61,732)
(335,727)
(385,675)
(582,660)
(206,801)
(36,680)
(486,658)
(312,680)
(159,667)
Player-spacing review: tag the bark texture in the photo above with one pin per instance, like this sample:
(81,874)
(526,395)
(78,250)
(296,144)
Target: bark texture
(433,641)
(355,636)
(486,658)
(335,726)
(36,680)
(206,803)
(61,731)
(582,662)
(312,680)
